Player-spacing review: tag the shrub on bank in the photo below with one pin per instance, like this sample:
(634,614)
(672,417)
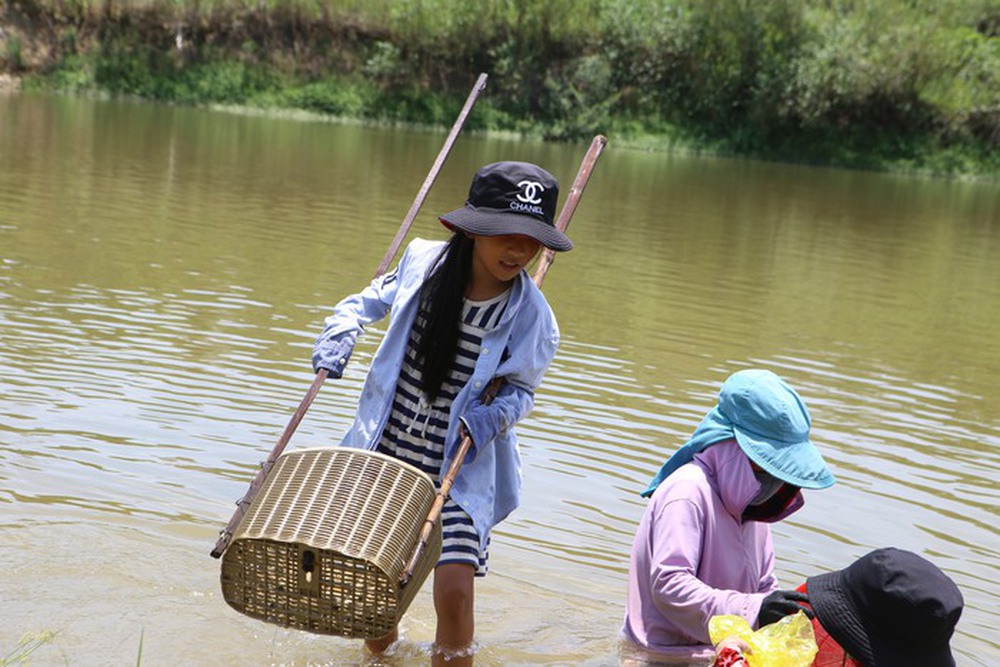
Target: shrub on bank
(873,83)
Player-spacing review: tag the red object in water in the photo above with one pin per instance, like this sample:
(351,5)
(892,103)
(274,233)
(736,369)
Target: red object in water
(729,657)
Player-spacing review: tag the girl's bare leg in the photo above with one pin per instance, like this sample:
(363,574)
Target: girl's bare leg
(376,646)
(454,584)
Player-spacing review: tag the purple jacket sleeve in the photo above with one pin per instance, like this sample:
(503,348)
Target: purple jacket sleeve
(768,582)
(678,592)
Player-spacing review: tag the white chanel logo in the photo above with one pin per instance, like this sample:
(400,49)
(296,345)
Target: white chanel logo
(532,192)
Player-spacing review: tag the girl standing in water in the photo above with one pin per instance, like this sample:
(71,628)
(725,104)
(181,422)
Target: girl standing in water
(461,313)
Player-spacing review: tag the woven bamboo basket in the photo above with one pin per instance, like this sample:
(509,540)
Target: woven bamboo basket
(323,544)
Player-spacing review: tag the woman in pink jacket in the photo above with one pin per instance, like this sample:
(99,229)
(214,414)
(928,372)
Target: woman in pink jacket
(703,547)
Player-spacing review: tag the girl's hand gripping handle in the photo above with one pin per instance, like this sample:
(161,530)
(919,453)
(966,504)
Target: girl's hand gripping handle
(333,353)
(481,424)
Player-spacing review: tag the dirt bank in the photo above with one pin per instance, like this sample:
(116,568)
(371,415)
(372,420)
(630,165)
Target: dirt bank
(9,83)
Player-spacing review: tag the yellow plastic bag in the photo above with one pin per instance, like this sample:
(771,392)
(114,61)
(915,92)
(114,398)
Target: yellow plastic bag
(788,643)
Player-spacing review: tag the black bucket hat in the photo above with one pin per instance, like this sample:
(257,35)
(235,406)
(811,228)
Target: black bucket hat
(511,198)
(890,607)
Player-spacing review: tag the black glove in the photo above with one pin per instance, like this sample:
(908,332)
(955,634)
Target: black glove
(779,604)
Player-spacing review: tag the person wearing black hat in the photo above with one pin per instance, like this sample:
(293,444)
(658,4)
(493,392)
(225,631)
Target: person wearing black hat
(889,608)
(462,312)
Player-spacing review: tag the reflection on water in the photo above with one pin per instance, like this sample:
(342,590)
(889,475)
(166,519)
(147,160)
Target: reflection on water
(163,272)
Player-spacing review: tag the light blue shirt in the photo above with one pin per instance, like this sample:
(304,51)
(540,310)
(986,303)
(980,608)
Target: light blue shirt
(488,486)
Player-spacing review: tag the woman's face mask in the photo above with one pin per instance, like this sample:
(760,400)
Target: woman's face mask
(771,500)
(769,485)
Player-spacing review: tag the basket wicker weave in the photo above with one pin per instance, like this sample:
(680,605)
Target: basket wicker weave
(324,543)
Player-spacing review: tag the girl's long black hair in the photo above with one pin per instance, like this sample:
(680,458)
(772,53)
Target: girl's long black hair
(441,299)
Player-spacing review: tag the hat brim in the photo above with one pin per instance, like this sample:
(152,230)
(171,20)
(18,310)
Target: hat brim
(491,222)
(839,616)
(798,463)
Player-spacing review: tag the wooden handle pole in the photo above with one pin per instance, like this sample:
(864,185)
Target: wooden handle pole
(572,200)
(432,175)
(562,222)
(241,505)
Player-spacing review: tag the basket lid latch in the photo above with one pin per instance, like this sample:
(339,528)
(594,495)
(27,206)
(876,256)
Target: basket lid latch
(308,576)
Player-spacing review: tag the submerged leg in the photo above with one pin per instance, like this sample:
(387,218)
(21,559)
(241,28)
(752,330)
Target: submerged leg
(454,584)
(379,645)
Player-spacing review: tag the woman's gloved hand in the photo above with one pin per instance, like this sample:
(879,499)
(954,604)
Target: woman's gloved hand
(333,353)
(778,604)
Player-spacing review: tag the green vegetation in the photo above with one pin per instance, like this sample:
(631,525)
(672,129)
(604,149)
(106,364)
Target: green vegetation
(32,641)
(27,645)
(880,84)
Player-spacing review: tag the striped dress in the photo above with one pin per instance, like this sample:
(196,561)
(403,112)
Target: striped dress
(416,430)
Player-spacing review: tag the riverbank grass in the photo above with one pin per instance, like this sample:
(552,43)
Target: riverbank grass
(28,644)
(900,85)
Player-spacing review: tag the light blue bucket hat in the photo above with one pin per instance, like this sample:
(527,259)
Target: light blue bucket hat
(771,424)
